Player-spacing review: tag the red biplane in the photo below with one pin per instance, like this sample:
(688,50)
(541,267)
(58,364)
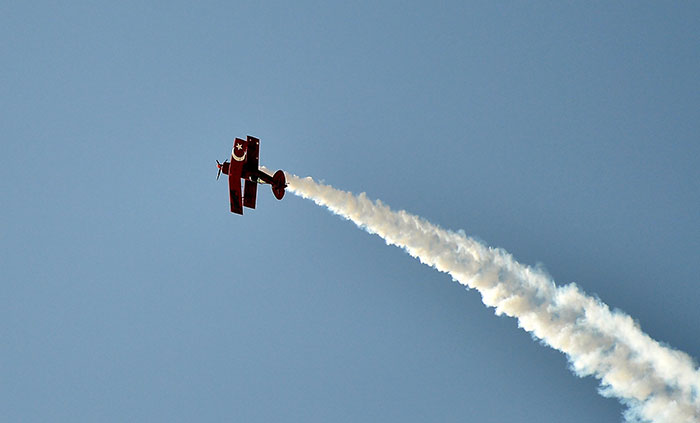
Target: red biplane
(244,165)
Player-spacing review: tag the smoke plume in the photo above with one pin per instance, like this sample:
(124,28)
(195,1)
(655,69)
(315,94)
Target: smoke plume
(657,383)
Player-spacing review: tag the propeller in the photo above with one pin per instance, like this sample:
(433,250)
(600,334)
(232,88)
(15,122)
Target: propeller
(219,165)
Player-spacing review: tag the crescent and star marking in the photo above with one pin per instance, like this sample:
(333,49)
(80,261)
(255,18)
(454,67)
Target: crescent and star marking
(238,146)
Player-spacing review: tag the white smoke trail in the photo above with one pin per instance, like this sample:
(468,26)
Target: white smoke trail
(657,383)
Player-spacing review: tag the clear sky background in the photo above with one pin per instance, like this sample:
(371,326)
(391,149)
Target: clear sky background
(566,134)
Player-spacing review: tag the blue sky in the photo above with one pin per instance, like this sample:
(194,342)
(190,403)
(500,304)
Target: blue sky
(565,134)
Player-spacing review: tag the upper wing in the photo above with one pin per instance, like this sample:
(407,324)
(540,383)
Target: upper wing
(239,155)
(235,197)
(234,190)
